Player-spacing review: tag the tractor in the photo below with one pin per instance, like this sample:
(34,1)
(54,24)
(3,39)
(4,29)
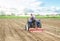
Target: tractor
(34,26)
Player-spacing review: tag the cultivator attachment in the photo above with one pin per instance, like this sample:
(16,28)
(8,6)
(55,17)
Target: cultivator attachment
(36,29)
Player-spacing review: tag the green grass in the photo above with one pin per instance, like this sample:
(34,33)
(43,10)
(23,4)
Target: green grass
(56,17)
(4,17)
(1,17)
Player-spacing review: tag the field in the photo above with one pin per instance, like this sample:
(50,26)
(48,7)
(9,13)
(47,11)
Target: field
(13,30)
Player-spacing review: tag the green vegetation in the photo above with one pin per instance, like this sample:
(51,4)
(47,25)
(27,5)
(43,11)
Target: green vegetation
(58,17)
(2,17)
(48,16)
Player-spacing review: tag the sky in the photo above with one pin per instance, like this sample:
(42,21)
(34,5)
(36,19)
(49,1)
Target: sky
(31,6)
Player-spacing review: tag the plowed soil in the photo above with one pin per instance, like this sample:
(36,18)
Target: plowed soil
(13,30)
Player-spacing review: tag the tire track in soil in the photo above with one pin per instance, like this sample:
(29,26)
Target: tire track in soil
(9,35)
(13,32)
(28,36)
(53,24)
(46,37)
(38,37)
(6,32)
(45,34)
(31,34)
(17,33)
(54,37)
(35,36)
(2,30)
(51,29)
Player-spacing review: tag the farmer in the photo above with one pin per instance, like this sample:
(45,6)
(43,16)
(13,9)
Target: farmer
(32,17)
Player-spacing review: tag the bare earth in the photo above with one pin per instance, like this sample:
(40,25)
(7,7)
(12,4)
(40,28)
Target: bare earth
(13,30)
